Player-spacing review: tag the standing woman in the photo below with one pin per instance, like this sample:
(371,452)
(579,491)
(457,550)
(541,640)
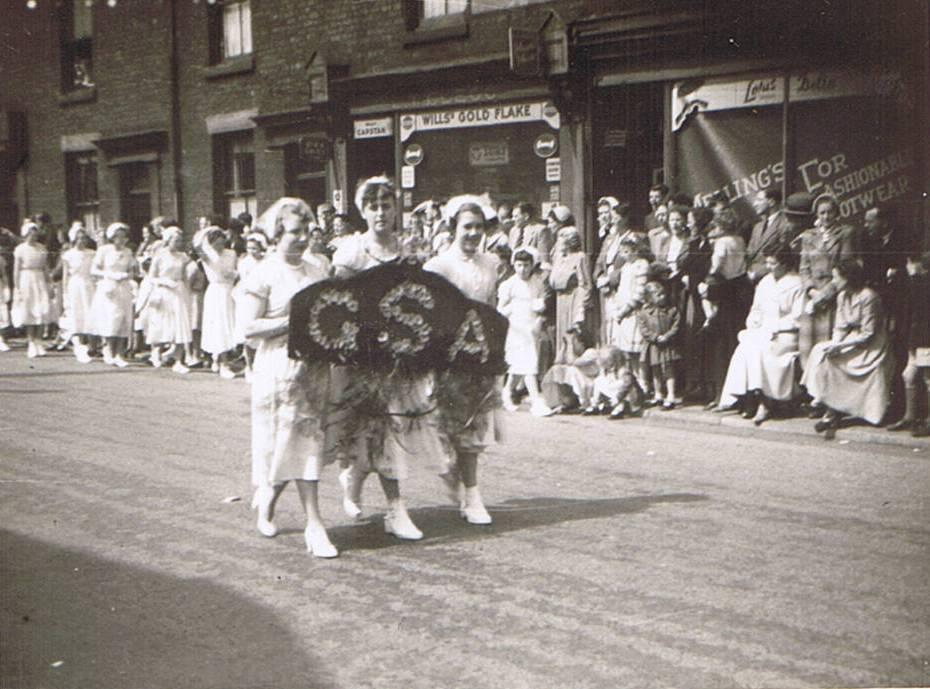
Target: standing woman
(612,220)
(32,304)
(111,310)
(255,247)
(78,287)
(469,425)
(570,279)
(694,264)
(376,446)
(288,396)
(170,303)
(219,329)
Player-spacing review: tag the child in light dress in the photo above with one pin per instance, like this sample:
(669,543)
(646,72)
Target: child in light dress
(614,390)
(32,305)
(219,332)
(522,299)
(78,287)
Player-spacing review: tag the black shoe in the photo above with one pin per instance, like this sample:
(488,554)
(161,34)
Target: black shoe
(816,413)
(920,430)
(618,412)
(902,425)
(825,424)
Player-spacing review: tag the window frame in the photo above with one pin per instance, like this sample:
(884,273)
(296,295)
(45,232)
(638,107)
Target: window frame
(217,36)
(231,150)
(81,204)
(75,50)
(422,29)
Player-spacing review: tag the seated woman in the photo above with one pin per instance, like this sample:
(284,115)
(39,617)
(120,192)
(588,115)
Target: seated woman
(762,369)
(851,373)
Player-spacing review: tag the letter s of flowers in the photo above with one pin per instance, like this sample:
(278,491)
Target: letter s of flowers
(477,344)
(344,340)
(390,308)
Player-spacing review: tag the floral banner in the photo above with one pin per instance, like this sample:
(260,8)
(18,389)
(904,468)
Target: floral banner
(396,316)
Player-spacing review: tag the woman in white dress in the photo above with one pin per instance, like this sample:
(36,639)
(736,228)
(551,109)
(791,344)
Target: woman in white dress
(78,288)
(407,396)
(288,396)
(111,310)
(169,319)
(762,369)
(255,247)
(32,306)
(475,274)
(219,328)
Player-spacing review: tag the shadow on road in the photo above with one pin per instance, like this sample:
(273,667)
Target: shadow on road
(443,524)
(113,625)
(85,372)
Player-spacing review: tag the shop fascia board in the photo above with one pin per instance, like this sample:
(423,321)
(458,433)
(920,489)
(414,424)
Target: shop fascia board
(495,64)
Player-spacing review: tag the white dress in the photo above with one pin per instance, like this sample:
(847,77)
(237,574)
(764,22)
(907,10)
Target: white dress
(626,335)
(32,302)
(245,267)
(767,352)
(111,310)
(288,396)
(219,326)
(169,308)
(80,291)
(523,303)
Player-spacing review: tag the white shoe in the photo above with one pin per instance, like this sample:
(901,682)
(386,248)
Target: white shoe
(261,503)
(31,351)
(4,347)
(120,362)
(81,354)
(215,367)
(473,511)
(180,368)
(318,542)
(349,506)
(226,373)
(540,408)
(507,402)
(248,376)
(156,358)
(41,351)
(398,522)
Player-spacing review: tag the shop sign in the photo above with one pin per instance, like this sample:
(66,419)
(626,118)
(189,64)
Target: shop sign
(374,129)
(546,145)
(555,193)
(314,149)
(479,116)
(524,52)
(413,155)
(407,176)
(486,154)
(553,170)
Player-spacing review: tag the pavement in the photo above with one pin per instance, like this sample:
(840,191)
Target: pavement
(682,549)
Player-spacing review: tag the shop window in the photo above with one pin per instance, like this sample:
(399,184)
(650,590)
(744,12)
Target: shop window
(76,37)
(230,30)
(81,189)
(234,174)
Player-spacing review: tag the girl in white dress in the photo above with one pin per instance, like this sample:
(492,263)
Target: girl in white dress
(255,248)
(169,317)
(78,287)
(111,312)
(288,396)
(31,295)
(219,330)
(4,310)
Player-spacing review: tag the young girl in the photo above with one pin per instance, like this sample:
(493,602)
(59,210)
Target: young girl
(659,322)
(111,310)
(4,310)
(78,287)
(522,298)
(614,388)
(255,247)
(219,333)
(31,295)
(626,301)
(170,303)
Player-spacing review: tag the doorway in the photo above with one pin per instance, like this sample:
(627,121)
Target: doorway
(135,195)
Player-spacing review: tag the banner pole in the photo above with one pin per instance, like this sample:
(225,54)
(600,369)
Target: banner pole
(785,132)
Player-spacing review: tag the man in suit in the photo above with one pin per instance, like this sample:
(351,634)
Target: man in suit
(768,232)
(658,194)
(526,233)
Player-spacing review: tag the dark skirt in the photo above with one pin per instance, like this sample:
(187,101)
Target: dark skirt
(734,299)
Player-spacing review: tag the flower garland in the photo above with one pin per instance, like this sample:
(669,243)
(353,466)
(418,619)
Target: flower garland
(345,341)
(390,308)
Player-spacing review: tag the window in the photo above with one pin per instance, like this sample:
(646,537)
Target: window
(76,38)
(81,189)
(230,30)
(234,174)
(442,8)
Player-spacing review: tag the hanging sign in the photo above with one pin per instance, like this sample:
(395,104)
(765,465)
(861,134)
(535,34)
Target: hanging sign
(479,116)
(546,145)
(524,52)
(374,129)
(487,154)
(314,149)
(413,155)
(553,170)
(339,201)
(407,176)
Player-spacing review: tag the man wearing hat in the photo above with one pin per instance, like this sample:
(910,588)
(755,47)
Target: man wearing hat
(768,232)
(799,216)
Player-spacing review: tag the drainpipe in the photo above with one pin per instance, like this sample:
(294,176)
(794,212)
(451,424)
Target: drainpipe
(175,124)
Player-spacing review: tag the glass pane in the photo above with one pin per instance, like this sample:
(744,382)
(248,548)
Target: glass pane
(83,19)
(456,6)
(245,171)
(232,34)
(91,219)
(246,24)
(434,8)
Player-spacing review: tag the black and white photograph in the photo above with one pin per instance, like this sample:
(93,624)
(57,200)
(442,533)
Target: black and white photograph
(464,344)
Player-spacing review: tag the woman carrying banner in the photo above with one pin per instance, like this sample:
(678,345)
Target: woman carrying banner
(379,419)
(288,396)
(468,403)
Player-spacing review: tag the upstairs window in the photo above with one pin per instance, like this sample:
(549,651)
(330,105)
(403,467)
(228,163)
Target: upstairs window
(234,174)
(81,189)
(77,39)
(230,30)
(443,8)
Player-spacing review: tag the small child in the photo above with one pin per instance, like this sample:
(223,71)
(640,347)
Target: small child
(615,387)
(659,322)
(916,330)
(521,298)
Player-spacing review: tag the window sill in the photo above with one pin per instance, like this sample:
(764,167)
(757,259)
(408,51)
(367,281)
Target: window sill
(242,64)
(87,94)
(438,29)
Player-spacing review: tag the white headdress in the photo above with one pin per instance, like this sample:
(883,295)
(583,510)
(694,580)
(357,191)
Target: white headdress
(531,250)
(454,205)
(169,233)
(378,181)
(258,238)
(76,226)
(268,221)
(115,227)
(28,226)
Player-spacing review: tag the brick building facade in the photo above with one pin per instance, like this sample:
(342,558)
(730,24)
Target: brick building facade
(183,107)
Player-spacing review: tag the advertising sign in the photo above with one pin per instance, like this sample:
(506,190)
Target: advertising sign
(489,153)
(553,170)
(479,116)
(546,145)
(374,129)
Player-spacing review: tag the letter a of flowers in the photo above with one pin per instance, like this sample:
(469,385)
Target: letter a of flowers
(477,346)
